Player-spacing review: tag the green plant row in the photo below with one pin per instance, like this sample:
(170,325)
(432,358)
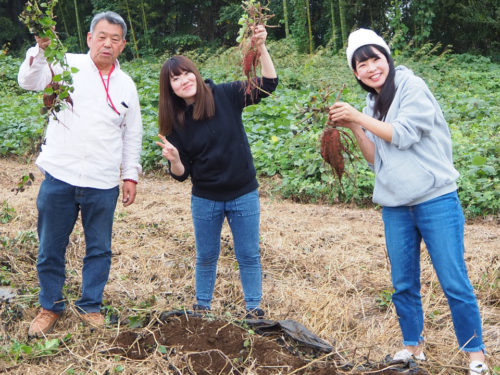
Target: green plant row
(284,129)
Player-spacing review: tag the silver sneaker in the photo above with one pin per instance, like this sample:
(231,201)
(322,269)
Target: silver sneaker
(406,355)
(478,367)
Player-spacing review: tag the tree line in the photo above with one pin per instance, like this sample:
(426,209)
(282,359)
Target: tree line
(159,26)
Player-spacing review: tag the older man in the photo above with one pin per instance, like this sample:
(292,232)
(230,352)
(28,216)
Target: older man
(88,148)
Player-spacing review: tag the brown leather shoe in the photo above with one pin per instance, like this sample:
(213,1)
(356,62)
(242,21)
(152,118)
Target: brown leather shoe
(93,319)
(43,323)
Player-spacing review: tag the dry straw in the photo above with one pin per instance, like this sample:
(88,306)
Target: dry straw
(323,266)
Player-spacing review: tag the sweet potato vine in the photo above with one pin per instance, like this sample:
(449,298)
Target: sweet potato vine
(335,143)
(254,14)
(39,18)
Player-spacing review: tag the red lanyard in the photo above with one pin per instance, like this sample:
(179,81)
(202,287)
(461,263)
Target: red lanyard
(106,87)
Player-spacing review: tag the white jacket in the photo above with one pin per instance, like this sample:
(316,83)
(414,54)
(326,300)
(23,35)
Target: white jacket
(89,144)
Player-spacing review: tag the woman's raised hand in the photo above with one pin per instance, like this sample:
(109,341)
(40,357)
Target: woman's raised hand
(343,114)
(260,35)
(169,151)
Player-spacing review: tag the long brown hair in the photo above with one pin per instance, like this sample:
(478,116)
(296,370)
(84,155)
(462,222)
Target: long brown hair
(171,108)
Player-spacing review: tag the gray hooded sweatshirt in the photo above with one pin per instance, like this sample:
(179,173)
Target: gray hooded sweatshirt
(417,165)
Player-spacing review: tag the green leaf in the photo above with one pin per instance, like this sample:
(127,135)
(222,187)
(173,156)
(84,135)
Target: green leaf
(136,322)
(52,344)
(478,160)
(26,349)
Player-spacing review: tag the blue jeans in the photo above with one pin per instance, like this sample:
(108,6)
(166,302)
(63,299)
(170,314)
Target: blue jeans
(58,205)
(440,223)
(243,216)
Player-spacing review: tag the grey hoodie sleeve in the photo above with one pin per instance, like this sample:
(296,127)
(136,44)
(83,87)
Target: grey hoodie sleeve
(417,164)
(416,113)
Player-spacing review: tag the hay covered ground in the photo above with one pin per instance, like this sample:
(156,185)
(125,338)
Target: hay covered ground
(324,267)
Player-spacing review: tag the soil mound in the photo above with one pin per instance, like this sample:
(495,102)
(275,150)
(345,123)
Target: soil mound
(203,345)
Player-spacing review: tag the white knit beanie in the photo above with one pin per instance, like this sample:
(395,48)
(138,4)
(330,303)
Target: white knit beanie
(360,38)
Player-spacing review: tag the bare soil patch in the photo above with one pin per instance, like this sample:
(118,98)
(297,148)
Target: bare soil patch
(207,345)
(323,266)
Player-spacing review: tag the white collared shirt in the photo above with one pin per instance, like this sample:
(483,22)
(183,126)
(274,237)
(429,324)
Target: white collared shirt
(89,144)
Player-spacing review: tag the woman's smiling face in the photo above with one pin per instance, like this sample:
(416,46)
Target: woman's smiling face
(373,71)
(184,86)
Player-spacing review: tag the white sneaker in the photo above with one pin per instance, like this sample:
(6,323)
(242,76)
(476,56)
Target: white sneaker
(478,367)
(405,355)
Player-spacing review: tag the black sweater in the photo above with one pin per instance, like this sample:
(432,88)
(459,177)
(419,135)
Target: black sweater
(215,152)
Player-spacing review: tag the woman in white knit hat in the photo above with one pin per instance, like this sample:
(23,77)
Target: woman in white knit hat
(404,137)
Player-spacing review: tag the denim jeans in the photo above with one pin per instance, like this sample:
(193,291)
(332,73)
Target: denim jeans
(440,223)
(58,205)
(243,216)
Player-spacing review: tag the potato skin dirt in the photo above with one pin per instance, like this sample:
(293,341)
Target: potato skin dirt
(332,150)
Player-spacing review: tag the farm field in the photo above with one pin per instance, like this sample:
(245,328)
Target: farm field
(326,274)
(324,267)
(284,129)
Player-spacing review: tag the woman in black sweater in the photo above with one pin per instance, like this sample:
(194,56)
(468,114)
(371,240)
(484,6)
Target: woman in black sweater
(202,136)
